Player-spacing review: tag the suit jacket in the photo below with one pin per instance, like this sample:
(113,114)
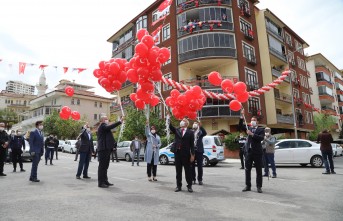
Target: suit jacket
(105,137)
(3,138)
(199,146)
(325,140)
(17,142)
(184,144)
(133,145)
(253,144)
(36,142)
(86,144)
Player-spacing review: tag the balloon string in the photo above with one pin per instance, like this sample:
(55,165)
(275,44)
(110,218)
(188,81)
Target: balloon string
(121,106)
(166,107)
(122,126)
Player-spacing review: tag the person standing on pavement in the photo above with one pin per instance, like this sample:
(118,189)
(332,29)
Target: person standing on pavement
(86,149)
(152,151)
(9,155)
(16,144)
(241,140)
(57,143)
(184,154)
(105,146)
(253,152)
(135,148)
(36,142)
(199,133)
(3,146)
(325,139)
(269,144)
(49,148)
(77,146)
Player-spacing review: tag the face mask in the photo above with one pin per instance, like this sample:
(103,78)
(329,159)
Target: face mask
(106,121)
(253,123)
(195,126)
(40,127)
(88,129)
(12,133)
(182,124)
(153,131)
(19,133)
(241,136)
(2,128)
(137,138)
(267,134)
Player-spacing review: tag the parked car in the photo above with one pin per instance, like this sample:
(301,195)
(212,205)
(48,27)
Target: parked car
(69,146)
(124,152)
(60,144)
(336,149)
(213,152)
(298,151)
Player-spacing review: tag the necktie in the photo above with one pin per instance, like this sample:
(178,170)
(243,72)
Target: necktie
(182,132)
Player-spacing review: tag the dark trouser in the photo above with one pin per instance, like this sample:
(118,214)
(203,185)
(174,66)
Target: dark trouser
(327,156)
(2,159)
(241,156)
(76,154)
(257,159)
(83,164)
(114,154)
(9,154)
(49,154)
(269,159)
(134,153)
(104,162)
(16,157)
(183,161)
(152,166)
(56,151)
(35,162)
(198,158)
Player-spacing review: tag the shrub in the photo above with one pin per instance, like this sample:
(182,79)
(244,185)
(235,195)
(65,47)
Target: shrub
(231,141)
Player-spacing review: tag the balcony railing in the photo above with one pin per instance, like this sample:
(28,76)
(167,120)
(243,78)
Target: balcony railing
(274,33)
(196,3)
(277,73)
(249,34)
(283,97)
(287,119)
(245,11)
(252,86)
(18,105)
(278,54)
(202,26)
(251,59)
(207,52)
(118,108)
(201,82)
(218,111)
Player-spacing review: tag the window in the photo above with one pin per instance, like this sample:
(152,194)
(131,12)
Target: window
(275,29)
(301,63)
(296,93)
(244,26)
(72,101)
(254,105)
(308,117)
(321,76)
(125,37)
(166,32)
(306,98)
(294,75)
(291,57)
(248,51)
(288,39)
(95,104)
(78,102)
(243,3)
(302,144)
(141,23)
(324,90)
(251,79)
(276,45)
(298,47)
(166,87)
(169,60)
(157,15)
(284,145)
(95,116)
(100,104)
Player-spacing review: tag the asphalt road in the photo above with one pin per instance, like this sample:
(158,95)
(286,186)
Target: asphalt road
(297,194)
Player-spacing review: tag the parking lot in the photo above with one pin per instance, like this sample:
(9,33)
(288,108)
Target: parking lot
(299,193)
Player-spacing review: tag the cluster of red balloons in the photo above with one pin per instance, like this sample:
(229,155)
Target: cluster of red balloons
(187,104)
(66,112)
(239,89)
(145,68)
(111,74)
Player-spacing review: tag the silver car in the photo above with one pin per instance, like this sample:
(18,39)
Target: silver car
(124,152)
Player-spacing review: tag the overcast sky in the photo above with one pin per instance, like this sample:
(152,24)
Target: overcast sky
(73,33)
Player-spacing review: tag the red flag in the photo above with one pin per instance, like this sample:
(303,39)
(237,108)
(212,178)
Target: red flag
(42,66)
(80,70)
(164,5)
(22,66)
(65,69)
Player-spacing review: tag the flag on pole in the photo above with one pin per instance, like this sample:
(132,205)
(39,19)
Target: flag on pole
(156,34)
(42,66)
(22,66)
(79,70)
(65,69)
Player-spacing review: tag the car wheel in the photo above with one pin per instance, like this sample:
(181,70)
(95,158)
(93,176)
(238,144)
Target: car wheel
(205,161)
(303,164)
(316,161)
(214,164)
(127,157)
(164,160)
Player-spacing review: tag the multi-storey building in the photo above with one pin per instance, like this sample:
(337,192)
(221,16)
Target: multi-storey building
(224,36)
(327,90)
(87,103)
(19,87)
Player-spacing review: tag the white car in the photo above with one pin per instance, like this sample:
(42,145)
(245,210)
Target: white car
(336,149)
(124,151)
(69,146)
(213,152)
(298,151)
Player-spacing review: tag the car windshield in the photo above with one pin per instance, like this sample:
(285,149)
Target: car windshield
(217,141)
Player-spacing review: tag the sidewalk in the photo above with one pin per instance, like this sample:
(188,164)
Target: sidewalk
(231,160)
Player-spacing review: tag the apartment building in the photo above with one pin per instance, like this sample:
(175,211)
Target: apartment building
(327,89)
(19,87)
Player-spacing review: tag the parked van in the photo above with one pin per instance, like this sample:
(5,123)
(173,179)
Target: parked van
(213,152)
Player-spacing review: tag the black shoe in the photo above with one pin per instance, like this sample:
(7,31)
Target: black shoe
(75,160)
(51,164)
(103,186)
(137,164)
(274,176)
(177,189)
(200,183)
(35,180)
(247,188)
(2,174)
(190,189)
(265,175)
(14,170)
(31,179)
(78,177)
(22,170)
(46,163)
(259,190)
(242,168)
(333,172)
(109,184)
(327,172)
(86,177)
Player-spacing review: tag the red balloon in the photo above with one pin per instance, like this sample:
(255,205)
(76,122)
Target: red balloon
(104,82)
(170,101)
(175,93)
(75,115)
(114,68)
(63,116)
(197,90)
(153,55)
(141,62)
(143,72)
(156,75)
(243,97)
(215,78)
(142,50)
(132,76)
(66,111)
(147,87)
(140,104)
(102,65)
(239,87)
(192,115)
(235,105)
(154,101)
(122,77)
(133,97)
(97,73)
(182,99)
(141,33)
(116,85)
(148,40)
(164,55)
(69,91)
(227,85)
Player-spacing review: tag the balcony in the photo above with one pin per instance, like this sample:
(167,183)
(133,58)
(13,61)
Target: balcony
(329,110)
(218,111)
(274,33)
(245,11)
(286,119)
(251,59)
(196,3)
(326,98)
(206,53)
(283,97)
(293,63)
(277,73)
(204,83)
(18,105)
(278,54)
(252,86)
(249,35)
(203,26)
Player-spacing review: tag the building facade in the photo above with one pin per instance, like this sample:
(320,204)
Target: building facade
(19,87)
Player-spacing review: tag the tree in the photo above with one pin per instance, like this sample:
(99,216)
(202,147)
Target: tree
(8,117)
(64,129)
(321,122)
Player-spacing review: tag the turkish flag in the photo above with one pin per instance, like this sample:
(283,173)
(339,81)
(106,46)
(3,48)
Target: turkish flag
(65,69)
(80,70)
(22,66)
(42,66)
(164,5)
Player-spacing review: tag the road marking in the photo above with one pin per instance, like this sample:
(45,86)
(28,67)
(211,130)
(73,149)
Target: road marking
(269,202)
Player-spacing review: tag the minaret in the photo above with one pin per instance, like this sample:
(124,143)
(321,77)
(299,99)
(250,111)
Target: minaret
(41,86)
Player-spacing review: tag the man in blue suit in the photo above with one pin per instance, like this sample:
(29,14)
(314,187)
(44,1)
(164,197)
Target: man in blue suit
(36,149)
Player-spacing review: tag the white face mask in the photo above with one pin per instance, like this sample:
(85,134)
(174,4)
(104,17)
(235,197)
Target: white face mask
(241,136)
(88,129)
(137,138)
(2,128)
(40,127)
(106,121)
(153,131)
(19,133)
(182,124)
(267,134)
(253,123)
(195,126)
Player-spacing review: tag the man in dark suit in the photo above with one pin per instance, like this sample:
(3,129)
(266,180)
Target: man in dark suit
(36,149)
(199,133)
(85,150)
(135,148)
(184,155)
(3,145)
(253,152)
(16,143)
(105,146)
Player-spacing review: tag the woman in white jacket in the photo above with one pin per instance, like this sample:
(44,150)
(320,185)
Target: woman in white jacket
(152,151)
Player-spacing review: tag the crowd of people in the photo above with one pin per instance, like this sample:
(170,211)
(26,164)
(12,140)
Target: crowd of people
(256,148)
